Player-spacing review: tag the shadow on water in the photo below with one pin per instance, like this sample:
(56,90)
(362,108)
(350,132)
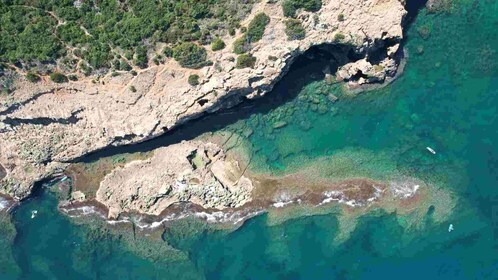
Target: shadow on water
(306,69)
(413,7)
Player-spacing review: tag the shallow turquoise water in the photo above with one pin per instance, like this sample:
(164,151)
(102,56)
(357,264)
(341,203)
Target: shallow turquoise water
(447,99)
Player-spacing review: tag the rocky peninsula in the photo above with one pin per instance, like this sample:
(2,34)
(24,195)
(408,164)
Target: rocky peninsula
(46,126)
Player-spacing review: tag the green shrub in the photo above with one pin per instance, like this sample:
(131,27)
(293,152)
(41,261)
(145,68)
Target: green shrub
(168,52)
(85,68)
(193,80)
(190,55)
(217,44)
(231,31)
(241,45)
(58,77)
(32,77)
(123,65)
(141,57)
(133,89)
(29,31)
(340,17)
(290,7)
(245,61)
(133,72)
(294,29)
(339,37)
(72,77)
(257,26)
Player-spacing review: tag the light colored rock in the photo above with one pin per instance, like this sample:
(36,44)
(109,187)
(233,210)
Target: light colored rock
(192,171)
(78,196)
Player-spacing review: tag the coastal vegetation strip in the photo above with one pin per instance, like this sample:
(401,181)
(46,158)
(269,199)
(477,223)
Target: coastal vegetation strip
(89,36)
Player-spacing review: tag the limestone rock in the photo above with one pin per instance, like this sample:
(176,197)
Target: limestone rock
(192,171)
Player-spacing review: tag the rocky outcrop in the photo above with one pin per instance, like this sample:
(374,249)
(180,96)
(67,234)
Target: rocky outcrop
(44,125)
(193,171)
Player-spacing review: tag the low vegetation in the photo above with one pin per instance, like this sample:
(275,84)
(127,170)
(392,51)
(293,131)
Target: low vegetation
(241,45)
(290,7)
(217,44)
(57,77)
(193,79)
(254,33)
(245,61)
(339,37)
(32,77)
(94,33)
(294,29)
(190,55)
(257,27)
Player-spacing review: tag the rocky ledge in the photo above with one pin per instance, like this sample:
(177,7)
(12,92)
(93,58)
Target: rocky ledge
(192,171)
(43,126)
(198,178)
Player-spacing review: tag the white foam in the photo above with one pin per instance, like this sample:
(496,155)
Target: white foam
(281,204)
(404,189)
(340,198)
(3,203)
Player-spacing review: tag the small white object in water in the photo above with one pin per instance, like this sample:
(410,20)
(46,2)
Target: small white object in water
(431,150)
(450,228)
(33,214)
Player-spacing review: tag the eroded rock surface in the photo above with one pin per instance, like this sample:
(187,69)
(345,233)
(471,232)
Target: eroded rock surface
(44,125)
(193,171)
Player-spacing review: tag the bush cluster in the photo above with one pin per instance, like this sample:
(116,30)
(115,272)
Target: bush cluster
(254,33)
(32,77)
(245,61)
(101,31)
(193,79)
(339,37)
(257,27)
(57,77)
(190,55)
(217,44)
(290,7)
(294,29)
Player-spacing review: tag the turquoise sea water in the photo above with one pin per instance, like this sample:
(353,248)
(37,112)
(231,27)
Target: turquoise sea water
(447,99)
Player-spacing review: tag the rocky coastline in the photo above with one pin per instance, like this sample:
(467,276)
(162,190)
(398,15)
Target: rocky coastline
(45,130)
(45,126)
(216,186)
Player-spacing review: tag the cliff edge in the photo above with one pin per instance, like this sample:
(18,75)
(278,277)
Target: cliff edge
(45,125)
